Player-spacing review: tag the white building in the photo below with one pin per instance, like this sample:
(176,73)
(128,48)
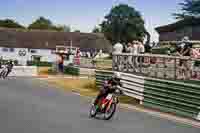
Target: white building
(25,54)
(25,46)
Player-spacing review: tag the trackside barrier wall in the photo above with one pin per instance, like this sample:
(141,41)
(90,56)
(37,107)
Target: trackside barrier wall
(24,71)
(179,98)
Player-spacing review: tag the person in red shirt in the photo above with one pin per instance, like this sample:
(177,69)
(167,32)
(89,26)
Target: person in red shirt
(60,63)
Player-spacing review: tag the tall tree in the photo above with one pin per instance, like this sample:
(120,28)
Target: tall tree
(62,28)
(189,9)
(41,23)
(124,24)
(96,30)
(66,28)
(77,31)
(9,23)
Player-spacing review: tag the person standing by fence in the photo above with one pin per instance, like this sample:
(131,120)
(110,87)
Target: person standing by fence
(117,49)
(60,63)
(141,50)
(129,50)
(135,53)
(184,49)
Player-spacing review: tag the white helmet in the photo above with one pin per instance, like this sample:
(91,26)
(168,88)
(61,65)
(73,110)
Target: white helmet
(117,75)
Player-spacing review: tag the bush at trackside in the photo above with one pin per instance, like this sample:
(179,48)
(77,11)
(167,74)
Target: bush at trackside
(41,64)
(5,61)
(71,70)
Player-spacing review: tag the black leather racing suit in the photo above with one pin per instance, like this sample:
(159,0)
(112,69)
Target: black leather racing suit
(107,88)
(10,67)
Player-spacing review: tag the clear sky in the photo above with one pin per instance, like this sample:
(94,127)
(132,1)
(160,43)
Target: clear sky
(85,14)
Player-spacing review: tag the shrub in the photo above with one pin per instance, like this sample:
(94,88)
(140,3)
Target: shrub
(197,63)
(160,50)
(36,63)
(72,70)
(5,61)
(51,71)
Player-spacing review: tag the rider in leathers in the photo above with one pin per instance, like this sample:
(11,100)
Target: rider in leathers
(109,87)
(10,67)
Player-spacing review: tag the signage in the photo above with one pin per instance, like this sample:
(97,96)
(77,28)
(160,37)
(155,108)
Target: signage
(22,53)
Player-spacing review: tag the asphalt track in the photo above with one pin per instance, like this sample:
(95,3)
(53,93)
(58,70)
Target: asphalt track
(28,106)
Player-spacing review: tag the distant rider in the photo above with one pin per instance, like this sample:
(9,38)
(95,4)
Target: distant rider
(10,66)
(109,87)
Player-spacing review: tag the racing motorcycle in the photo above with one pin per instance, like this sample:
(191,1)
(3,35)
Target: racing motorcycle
(106,106)
(3,71)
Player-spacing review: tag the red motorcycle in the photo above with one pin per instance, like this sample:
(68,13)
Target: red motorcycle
(106,106)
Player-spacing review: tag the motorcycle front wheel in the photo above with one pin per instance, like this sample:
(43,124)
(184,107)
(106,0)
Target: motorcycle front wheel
(111,111)
(93,111)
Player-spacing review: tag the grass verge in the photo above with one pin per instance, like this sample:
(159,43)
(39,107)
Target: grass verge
(85,87)
(43,70)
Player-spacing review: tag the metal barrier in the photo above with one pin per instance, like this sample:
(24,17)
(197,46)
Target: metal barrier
(158,66)
(94,64)
(24,71)
(169,96)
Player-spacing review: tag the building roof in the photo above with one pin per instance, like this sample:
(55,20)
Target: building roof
(45,39)
(178,25)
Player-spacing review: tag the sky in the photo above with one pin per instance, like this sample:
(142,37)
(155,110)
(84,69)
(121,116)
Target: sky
(83,15)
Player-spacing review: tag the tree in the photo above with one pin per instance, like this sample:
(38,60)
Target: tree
(96,30)
(62,28)
(123,24)
(9,23)
(189,9)
(41,23)
(77,31)
(66,28)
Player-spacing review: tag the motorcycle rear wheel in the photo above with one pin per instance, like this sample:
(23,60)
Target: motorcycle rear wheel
(109,114)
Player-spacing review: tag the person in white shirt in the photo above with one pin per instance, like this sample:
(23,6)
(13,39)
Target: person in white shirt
(117,49)
(141,49)
(135,48)
(129,50)
(135,52)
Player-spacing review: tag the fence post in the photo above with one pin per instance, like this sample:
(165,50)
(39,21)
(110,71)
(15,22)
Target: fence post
(165,66)
(175,68)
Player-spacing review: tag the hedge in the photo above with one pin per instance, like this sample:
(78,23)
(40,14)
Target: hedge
(160,50)
(5,61)
(72,70)
(42,64)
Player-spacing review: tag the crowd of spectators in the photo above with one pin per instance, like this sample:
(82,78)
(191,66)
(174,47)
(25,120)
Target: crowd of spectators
(134,47)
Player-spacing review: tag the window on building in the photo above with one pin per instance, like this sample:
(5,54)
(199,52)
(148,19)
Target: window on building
(12,49)
(33,51)
(5,49)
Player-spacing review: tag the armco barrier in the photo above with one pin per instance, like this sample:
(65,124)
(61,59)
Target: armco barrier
(168,96)
(24,71)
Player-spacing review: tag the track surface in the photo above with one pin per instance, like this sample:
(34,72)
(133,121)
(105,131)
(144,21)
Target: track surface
(28,106)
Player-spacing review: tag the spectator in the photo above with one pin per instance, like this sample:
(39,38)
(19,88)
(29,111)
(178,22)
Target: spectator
(141,48)
(129,49)
(118,48)
(135,48)
(135,52)
(184,49)
(60,63)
